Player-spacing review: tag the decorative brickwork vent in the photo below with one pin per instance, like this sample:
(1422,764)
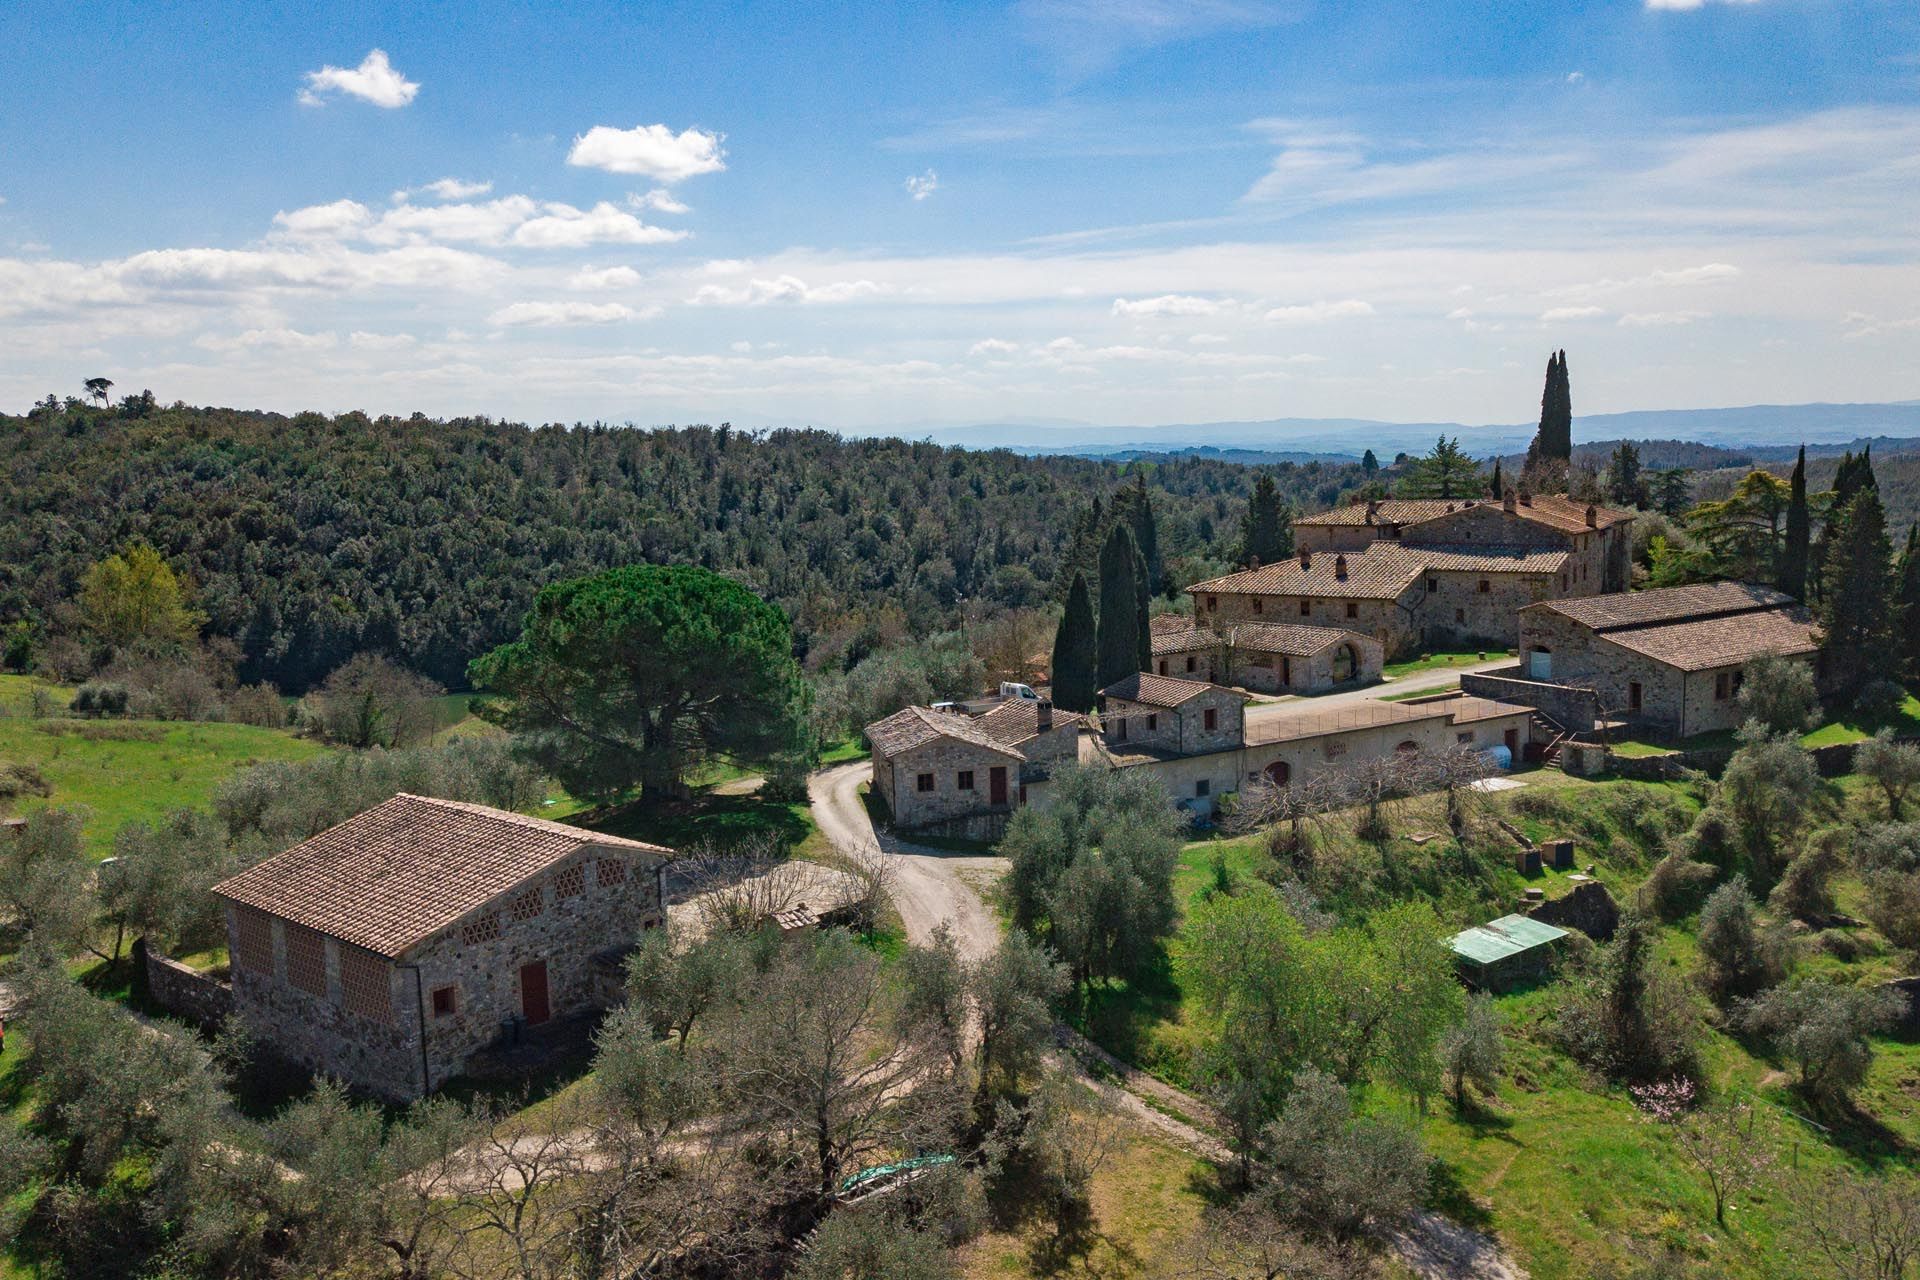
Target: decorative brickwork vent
(363,985)
(484,929)
(306,960)
(609,872)
(253,941)
(570,883)
(528,905)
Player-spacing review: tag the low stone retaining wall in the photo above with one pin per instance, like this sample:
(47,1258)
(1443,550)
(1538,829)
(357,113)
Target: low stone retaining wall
(1588,908)
(1832,761)
(186,993)
(984,827)
(1572,708)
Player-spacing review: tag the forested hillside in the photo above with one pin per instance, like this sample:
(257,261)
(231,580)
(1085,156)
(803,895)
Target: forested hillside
(309,539)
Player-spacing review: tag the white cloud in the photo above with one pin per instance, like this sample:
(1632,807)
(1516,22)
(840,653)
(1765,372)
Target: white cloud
(1576,77)
(1460,313)
(547,315)
(1682,5)
(603,278)
(1167,304)
(455,189)
(1659,319)
(1572,313)
(325,221)
(374,80)
(1320,312)
(364,341)
(278,339)
(565,227)
(993,347)
(652,150)
(660,200)
(1208,339)
(922,185)
(788,289)
(487,223)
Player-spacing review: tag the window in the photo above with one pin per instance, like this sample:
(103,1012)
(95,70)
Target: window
(528,905)
(1202,787)
(571,882)
(609,872)
(1407,748)
(964,780)
(923,782)
(1153,723)
(1210,719)
(1353,608)
(1306,608)
(1463,738)
(1563,582)
(1258,604)
(252,940)
(1739,678)
(485,929)
(446,1001)
(364,988)
(1163,665)
(1459,615)
(1633,695)
(1721,686)
(1120,729)
(1433,585)
(1213,602)
(306,959)
(1190,663)
(1485,586)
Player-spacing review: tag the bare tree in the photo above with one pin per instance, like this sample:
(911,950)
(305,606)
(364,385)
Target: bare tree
(1294,810)
(1866,1227)
(1248,1240)
(1721,1140)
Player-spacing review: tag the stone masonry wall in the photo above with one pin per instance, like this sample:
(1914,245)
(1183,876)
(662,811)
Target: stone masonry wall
(1181,730)
(1457,614)
(186,993)
(946,759)
(1394,623)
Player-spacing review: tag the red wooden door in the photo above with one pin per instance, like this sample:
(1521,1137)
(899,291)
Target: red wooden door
(533,992)
(997,784)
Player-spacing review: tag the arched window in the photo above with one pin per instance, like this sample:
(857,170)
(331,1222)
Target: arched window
(1408,747)
(1344,663)
(1279,773)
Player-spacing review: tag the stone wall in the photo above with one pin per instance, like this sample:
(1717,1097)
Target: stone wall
(1181,730)
(1456,614)
(397,1047)
(1570,706)
(188,994)
(1588,908)
(946,759)
(1393,623)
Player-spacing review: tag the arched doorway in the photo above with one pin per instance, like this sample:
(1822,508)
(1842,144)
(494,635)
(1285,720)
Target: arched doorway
(1407,748)
(1279,773)
(1540,663)
(1344,663)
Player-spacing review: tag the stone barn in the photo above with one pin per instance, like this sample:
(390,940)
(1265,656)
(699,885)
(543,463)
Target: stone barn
(388,950)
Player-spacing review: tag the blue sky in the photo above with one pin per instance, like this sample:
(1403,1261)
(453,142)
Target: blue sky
(1129,212)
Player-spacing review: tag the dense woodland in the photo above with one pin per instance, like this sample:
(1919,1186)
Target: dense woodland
(309,539)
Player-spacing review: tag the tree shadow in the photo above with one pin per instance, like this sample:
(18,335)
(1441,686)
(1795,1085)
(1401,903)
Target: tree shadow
(1119,1017)
(705,820)
(1448,1195)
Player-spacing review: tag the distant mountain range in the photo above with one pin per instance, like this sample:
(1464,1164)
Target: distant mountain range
(1754,430)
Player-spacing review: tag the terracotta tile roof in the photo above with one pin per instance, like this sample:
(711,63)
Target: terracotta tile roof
(1373,714)
(912,727)
(1622,609)
(1723,641)
(1556,511)
(1157,691)
(1295,641)
(1188,639)
(1381,572)
(405,870)
(1018,719)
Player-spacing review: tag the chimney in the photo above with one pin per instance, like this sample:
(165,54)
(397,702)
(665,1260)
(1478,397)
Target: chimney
(1373,510)
(1340,568)
(1507,502)
(1449,508)
(1043,715)
(1306,560)
(1593,517)
(1526,498)
(1253,562)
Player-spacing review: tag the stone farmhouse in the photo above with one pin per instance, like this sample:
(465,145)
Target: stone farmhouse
(1171,715)
(388,950)
(1266,657)
(1427,573)
(1667,662)
(962,774)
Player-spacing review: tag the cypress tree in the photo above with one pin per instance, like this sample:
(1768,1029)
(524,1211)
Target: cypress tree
(1118,636)
(1074,680)
(1555,438)
(1498,484)
(1856,603)
(1267,532)
(1799,544)
(1906,607)
(1135,508)
(1369,465)
(1142,625)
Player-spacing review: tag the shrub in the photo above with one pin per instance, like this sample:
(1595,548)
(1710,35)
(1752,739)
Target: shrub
(1824,1029)
(371,702)
(1892,906)
(1341,1173)
(1629,1019)
(1737,956)
(1805,892)
(1780,693)
(257,704)
(1887,846)
(99,698)
(1676,886)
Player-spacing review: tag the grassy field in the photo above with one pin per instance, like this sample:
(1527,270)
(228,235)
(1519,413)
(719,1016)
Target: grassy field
(1841,728)
(1564,1168)
(1440,661)
(120,770)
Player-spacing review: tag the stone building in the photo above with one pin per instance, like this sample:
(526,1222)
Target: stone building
(1170,714)
(1266,657)
(1427,573)
(965,773)
(1668,662)
(389,949)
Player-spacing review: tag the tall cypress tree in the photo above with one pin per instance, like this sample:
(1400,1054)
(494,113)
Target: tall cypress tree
(1556,412)
(1497,484)
(1856,604)
(1906,607)
(1118,638)
(1075,680)
(1798,547)
(1135,508)
(1142,626)
(1267,533)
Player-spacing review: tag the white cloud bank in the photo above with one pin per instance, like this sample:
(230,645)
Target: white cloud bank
(510,220)
(1320,312)
(922,185)
(650,150)
(549,315)
(374,80)
(1167,304)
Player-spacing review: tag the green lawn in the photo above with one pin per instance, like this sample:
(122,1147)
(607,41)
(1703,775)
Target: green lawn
(1437,661)
(844,752)
(1843,727)
(119,770)
(1418,693)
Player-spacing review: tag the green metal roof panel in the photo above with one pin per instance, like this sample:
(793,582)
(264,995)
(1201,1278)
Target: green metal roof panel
(1499,939)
